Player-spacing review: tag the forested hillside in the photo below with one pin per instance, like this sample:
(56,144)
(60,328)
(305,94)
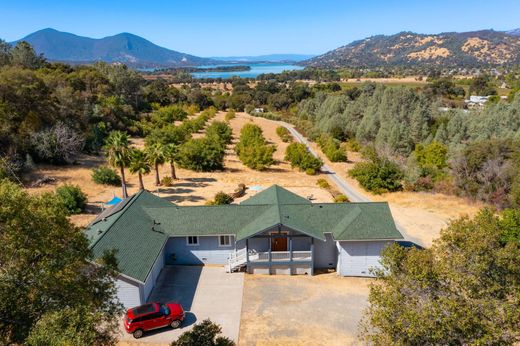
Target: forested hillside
(471,152)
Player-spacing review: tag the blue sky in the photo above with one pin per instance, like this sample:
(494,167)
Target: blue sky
(218,28)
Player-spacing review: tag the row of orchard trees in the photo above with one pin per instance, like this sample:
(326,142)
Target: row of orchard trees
(163,145)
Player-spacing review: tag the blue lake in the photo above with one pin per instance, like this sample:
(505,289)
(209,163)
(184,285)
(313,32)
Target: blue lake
(256,69)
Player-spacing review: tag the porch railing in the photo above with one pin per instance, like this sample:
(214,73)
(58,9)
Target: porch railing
(280,256)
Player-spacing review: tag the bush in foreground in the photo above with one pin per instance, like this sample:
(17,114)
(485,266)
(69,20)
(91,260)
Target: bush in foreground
(49,288)
(106,176)
(72,198)
(462,291)
(203,334)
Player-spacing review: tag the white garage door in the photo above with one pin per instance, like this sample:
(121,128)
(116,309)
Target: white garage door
(128,293)
(358,257)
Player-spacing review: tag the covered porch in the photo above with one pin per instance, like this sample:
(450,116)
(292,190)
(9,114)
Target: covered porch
(279,250)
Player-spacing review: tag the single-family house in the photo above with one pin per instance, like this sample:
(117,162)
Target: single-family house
(272,232)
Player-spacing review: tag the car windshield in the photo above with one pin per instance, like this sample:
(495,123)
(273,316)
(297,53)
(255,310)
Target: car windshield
(165,310)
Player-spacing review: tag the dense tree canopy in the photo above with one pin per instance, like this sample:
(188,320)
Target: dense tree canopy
(46,271)
(465,290)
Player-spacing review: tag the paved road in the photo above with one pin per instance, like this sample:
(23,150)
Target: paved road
(345,188)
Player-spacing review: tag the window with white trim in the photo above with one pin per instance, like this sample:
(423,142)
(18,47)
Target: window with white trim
(192,240)
(224,240)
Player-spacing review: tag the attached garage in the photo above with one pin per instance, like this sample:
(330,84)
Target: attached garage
(128,292)
(356,258)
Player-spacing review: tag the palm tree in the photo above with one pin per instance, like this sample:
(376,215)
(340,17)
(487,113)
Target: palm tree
(155,153)
(117,151)
(139,164)
(170,155)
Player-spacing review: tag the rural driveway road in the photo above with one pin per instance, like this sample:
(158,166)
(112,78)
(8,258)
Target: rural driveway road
(347,189)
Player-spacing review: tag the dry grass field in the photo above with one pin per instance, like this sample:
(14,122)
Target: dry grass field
(422,214)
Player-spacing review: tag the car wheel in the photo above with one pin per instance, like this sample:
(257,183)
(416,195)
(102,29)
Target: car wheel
(175,324)
(138,333)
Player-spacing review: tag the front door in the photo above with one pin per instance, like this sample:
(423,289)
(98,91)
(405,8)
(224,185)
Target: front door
(278,244)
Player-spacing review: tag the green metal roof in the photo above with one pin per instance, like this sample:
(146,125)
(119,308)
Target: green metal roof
(275,195)
(129,232)
(129,229)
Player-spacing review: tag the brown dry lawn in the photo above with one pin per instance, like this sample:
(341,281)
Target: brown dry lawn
(323,309)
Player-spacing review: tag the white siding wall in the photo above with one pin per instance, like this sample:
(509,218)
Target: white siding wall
(357,257)
(153,275)
(128,293)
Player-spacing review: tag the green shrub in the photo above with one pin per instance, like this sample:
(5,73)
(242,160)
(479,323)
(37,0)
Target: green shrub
(298,155)
(352,145)
(341,199)
(378,176)
(323,183)
(221,198)
(204,334)
(221,131)
(230,115)
(284,134)
(252,148)
(167,181)
(332,149)
(106,176)
(310,171)
(168,114)
(72,198)
(202,155)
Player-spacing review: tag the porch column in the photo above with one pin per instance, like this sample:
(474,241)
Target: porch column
(312,256)
(290,248)
(247,251)
(270,254)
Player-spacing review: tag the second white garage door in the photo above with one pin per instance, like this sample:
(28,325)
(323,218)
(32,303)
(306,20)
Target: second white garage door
(357,257)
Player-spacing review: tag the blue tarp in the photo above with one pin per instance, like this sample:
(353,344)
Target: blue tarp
(113,201)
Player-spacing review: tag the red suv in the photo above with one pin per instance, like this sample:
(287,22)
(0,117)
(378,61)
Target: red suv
(152,316)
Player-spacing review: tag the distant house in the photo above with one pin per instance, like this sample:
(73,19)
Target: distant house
(272,232)
(476,101)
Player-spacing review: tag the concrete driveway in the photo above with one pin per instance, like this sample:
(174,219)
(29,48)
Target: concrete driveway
(204,292)
(302,310)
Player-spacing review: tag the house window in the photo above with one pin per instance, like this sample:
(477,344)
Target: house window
(192,240)
(224,240)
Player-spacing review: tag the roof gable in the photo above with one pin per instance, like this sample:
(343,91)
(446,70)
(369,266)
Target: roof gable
(275,195)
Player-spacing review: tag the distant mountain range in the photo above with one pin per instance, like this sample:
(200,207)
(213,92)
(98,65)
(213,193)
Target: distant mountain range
(514,32)
(266,58)
(465,49)
(129,49)
(125,48)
